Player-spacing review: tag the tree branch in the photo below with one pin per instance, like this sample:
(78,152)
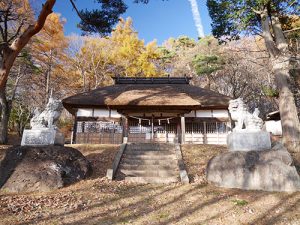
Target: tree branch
(77,11)
(18,44)
(287,31)
(17,32)
(270,45)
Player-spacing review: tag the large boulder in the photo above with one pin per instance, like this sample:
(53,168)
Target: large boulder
(27,168)
(270,170)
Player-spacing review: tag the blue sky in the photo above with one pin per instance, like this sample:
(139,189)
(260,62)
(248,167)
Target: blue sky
(156,20)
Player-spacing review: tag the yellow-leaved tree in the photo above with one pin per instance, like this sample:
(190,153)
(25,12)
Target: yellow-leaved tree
(49,50)
(98,66)
(131,54)
(121,54)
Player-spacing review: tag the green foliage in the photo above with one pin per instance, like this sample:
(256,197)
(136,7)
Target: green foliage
(231,18)
(102,20)
(207,64)
(270,92)
(240,202)
(166,55)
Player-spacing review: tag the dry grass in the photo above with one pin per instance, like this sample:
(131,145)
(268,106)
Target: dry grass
(99,201)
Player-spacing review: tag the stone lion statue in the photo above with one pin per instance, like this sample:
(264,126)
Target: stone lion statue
(244,120)
(49,117)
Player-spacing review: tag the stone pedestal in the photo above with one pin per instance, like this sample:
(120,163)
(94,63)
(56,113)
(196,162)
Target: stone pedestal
(42,136)
(249,141)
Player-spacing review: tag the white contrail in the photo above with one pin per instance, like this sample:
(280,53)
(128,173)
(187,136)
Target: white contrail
(197,18)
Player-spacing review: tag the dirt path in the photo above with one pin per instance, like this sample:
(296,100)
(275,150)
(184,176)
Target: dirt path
(99,201)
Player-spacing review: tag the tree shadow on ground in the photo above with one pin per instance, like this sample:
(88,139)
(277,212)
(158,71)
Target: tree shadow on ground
(120,203)
(12,158)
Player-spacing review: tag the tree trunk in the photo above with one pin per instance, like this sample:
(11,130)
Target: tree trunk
(47,85)
(287,107)
(83,79)
(4,117)
(280,59)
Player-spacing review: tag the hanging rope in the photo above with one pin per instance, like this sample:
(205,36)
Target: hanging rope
(140,119)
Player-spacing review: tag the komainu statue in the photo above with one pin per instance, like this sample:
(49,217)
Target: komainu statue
(49,117)
(244,120)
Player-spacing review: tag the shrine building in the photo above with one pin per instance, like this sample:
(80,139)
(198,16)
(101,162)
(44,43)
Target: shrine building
(141,110)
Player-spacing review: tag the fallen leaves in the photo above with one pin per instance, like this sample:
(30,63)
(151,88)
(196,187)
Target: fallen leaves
(100,201)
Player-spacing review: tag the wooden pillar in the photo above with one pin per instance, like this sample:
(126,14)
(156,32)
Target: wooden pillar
(178,130)
(182,118)
(152,129)
(114,132)
(217,130)
(74,132)
(125,129)
(166,134)
(192,132)
(204,133)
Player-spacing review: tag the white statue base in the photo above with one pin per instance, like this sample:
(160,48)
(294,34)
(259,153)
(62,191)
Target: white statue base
(249,141)
(42,136)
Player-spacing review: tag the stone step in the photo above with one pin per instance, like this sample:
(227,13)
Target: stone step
(149,157)
(148,161)
(150,146)
(148,167)
(156,180)
(141,148)
(151,153)
(150,173)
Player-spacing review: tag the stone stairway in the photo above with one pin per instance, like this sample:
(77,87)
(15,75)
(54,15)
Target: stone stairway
(149,163)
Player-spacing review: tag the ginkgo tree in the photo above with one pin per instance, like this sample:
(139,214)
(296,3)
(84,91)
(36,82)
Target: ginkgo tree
(96,53)
(130,54)
(121,54)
